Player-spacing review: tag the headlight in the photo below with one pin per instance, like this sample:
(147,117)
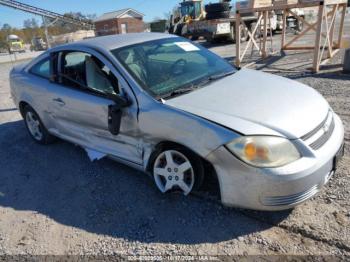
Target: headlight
(264,151)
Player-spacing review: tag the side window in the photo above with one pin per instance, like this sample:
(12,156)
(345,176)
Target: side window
(84,71)
(42,68)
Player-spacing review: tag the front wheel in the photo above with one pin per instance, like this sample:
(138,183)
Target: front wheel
(178,170)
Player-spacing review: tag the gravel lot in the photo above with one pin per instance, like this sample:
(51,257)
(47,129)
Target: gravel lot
(54,201)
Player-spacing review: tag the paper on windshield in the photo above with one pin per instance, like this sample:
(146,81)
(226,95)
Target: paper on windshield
(187,46)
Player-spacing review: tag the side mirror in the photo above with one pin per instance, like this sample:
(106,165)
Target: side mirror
(115,114)
(121,101)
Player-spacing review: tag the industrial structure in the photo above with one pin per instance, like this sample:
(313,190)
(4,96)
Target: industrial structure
(214,21)
(45,14)
(326,44)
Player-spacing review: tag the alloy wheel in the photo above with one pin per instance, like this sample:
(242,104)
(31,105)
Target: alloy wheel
(173,171)
(34,126)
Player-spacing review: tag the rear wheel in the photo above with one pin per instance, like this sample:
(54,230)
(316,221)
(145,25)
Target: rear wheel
(36,128)
(178,170)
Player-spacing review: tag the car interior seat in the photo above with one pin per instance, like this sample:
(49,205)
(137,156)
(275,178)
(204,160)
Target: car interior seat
(136,66)
(95,77)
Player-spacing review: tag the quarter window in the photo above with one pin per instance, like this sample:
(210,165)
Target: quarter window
(42,69)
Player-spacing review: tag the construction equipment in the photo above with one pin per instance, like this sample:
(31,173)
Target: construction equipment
(328,31)
(38,44)
(217,21)
(214,21)
(15,44)
(159,26)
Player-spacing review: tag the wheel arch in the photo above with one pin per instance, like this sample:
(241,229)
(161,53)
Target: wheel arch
(165,144)
(209,170)
(21,106)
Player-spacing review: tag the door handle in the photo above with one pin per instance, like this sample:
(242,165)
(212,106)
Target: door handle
(59,101)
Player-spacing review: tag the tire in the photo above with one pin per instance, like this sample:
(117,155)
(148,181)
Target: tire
(218,15)
(244,35)
(178,30)
(194,38)
(177,169)
(299,26)
(232,37)
(36,128)
(217,7)
(251,27)
(171,30)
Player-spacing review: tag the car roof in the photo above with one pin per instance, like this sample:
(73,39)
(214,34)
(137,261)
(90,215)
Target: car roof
(111,42)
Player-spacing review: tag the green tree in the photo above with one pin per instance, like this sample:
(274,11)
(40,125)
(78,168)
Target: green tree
(30,23)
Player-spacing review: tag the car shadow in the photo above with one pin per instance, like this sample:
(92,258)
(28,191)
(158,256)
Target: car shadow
(108,198)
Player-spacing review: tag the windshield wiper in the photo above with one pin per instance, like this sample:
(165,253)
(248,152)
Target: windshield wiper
(222,75)
(180,91)
(208,79)
(197,85)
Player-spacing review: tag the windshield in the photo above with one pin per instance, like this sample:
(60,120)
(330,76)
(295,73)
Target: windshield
(164,66)
(192,9)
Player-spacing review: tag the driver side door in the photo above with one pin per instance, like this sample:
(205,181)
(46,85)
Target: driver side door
(83,98)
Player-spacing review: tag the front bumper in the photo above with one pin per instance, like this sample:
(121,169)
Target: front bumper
(280,188)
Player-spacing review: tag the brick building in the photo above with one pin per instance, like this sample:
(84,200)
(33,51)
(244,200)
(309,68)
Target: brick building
(119,22)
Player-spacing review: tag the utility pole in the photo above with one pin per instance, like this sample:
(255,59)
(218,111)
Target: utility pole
(46,32)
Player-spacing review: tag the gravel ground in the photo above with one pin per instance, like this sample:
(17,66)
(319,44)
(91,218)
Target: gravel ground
(54,201)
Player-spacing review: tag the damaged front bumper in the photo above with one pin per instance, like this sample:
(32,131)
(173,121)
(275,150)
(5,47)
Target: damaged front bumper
(280,188)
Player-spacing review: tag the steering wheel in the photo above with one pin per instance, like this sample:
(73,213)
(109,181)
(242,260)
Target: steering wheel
(178,67)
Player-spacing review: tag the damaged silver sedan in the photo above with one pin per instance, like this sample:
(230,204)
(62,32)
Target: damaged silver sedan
(173,109)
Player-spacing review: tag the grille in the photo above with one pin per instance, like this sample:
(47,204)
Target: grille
(290,199)
(324,137)
(315,130)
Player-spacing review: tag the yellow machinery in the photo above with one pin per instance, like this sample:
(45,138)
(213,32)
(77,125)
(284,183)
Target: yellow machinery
(188,11)
(15,44)
(192,10)
(214,21)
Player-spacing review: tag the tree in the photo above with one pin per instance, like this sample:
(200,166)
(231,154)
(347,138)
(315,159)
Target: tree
(6,27)
(91,17)
(30,23)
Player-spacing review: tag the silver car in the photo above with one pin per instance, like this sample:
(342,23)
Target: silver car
(173,109)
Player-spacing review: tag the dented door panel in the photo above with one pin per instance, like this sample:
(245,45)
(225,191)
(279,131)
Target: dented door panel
(83,119)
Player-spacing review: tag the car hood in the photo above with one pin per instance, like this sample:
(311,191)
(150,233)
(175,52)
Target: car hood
(256,103)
